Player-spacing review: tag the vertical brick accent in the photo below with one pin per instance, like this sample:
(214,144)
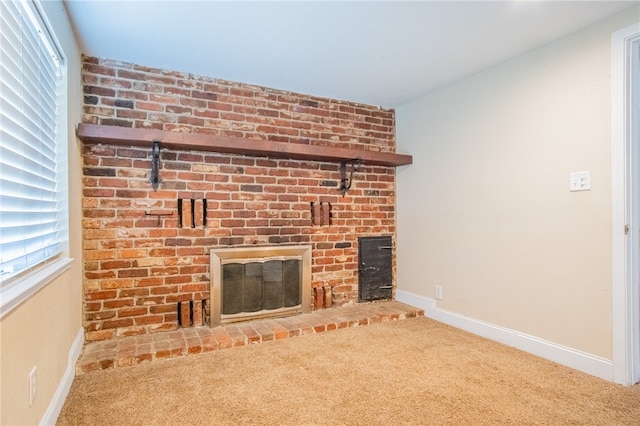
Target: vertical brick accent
(206,311)
(316,216)
(137,268)
(326,213)
(186,213)
(185,313)
(197,313)
(198,209)
(319,297)
(328,300)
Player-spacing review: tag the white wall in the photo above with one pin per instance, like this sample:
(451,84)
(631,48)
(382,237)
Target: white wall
(46,330)
(485,210)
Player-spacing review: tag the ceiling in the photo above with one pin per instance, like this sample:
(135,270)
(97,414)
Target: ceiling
(382,53)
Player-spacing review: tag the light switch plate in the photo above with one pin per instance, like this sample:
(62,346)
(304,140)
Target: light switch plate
(580,181)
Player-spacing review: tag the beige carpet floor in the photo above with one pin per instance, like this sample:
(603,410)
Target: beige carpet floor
(416,371)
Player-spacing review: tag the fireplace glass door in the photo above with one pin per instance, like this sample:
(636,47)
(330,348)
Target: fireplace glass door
(254,286)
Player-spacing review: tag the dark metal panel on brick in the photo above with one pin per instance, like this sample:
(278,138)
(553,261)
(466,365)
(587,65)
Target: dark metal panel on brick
(374,268)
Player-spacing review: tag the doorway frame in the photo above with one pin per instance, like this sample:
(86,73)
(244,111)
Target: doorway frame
(625,307)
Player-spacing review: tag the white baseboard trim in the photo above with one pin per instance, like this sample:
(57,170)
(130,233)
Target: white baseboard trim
(55,406)
(582,361)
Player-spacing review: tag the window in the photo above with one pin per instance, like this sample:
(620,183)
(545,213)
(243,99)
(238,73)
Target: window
(33,211)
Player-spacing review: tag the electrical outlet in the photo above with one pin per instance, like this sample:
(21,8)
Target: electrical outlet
(438,292)
(33,385)
(580,181)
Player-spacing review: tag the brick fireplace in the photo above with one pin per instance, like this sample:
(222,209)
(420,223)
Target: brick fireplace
(147,250)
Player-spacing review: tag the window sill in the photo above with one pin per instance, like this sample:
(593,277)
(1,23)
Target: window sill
(21,291)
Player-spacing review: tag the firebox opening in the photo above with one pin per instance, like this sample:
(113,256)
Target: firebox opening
(260,284)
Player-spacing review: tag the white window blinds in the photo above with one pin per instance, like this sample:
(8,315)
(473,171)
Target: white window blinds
(30,208)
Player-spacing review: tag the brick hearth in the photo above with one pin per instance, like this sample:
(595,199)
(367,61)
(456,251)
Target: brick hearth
(184,341)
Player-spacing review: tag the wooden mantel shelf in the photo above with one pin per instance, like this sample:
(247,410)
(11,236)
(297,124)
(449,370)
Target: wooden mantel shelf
(115,135)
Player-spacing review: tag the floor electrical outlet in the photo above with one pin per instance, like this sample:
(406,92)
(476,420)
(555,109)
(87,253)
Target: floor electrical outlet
(33,385)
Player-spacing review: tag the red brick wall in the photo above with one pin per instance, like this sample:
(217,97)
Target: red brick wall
(138,259)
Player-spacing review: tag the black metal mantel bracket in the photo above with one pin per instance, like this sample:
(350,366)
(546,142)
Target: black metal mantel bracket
(155,165)
(345,182)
